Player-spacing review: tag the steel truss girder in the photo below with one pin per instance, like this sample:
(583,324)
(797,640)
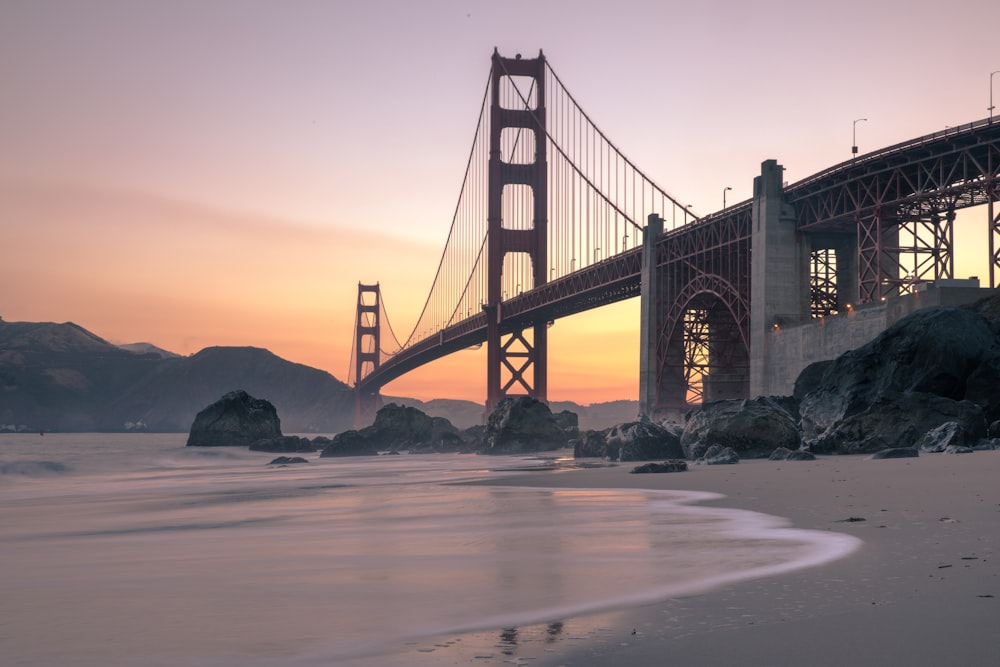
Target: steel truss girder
(956,164)
(823,298)
(706,268)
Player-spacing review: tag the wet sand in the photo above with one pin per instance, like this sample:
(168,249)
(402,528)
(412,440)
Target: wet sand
(922,590)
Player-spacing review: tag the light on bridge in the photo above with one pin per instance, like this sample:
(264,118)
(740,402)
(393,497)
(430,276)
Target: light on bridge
(991,95)
(854,136)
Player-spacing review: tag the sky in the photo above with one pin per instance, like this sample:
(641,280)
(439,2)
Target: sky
(192,173)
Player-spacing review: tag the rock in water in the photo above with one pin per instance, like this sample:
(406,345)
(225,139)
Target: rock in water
(235,420)
(642,441)
(753,428)
(523,424)
(666,466)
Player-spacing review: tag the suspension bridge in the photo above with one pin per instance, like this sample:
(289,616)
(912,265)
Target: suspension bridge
(553,219)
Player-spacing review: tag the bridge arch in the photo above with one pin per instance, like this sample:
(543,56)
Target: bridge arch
(703,346)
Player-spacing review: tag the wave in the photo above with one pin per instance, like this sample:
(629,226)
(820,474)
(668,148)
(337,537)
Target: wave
(34,468)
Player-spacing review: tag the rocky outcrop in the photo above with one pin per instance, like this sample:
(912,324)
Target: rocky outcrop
(397,428)
(287,460)
(896,420)
(896,453)
(521,425)
(782,454)
(717,455)
(235,420)
(753,428)
(666,466)
(642,441)
(934,366)
(940,438)
(284,443)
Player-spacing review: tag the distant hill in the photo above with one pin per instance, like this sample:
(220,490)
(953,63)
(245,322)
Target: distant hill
(61,377)
(463,414)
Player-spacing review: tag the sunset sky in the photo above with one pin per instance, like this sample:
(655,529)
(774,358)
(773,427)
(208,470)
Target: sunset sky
(197,173)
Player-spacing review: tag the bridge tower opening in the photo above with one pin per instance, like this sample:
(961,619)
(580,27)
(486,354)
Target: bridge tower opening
(367,341)
(516,350)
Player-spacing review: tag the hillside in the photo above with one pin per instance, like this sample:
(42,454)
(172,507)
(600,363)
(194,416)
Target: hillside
(61,377)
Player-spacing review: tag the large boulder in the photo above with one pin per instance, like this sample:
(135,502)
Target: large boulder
(753,428)
(235,420)
(396,428)
(642,441)
(897,420)
(951,353)
(521,425)
(284,443)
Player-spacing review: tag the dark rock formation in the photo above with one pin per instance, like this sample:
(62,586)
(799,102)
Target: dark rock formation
(284,443)
(666,466)
(895,420)
(940,438)
(235,420)
(287,460)
(896,453)
(641,441)
(753,428)
(523,424)
(396,428)
(933,366)
(718,455)
(591,444)
(783,454)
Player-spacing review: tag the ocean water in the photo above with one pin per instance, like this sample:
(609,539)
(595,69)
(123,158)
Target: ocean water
(123,550)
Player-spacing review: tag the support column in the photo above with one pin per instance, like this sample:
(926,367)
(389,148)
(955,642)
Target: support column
(779,273)
(650,316)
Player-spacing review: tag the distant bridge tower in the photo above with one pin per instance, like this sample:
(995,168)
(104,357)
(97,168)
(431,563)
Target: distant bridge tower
(516,363)
(367,339)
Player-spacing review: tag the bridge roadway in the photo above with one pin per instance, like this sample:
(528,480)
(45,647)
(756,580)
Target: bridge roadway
(947,169)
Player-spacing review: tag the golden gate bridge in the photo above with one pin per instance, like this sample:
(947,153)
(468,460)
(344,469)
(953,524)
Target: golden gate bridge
(553,219)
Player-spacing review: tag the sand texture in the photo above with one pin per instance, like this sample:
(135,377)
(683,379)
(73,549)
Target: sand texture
(923,589)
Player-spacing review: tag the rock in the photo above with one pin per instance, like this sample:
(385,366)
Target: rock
(958,449)
(753,428)
(283,443)
(949,353)
(591,444)
(523,424)
(896,420)
(896,453)
(641,441)
(287,460)
(351,443)
(718,455)
(940,438)
(783,454)
(666,466)
(397,427)
(235,420)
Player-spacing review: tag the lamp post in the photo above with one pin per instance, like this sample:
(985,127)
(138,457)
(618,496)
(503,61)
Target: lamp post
(991,96)
(854,136)
(724,196)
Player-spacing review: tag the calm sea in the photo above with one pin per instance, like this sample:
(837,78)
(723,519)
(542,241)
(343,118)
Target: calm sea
(125,550)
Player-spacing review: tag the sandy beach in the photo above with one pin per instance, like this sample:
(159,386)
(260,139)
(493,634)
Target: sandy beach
(923,589)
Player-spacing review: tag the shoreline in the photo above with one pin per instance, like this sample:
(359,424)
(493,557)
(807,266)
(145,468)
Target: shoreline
(923,588)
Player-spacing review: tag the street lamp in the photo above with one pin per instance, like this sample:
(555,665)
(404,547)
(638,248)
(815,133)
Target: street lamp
(854,136)
(991,95)
(724,196)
